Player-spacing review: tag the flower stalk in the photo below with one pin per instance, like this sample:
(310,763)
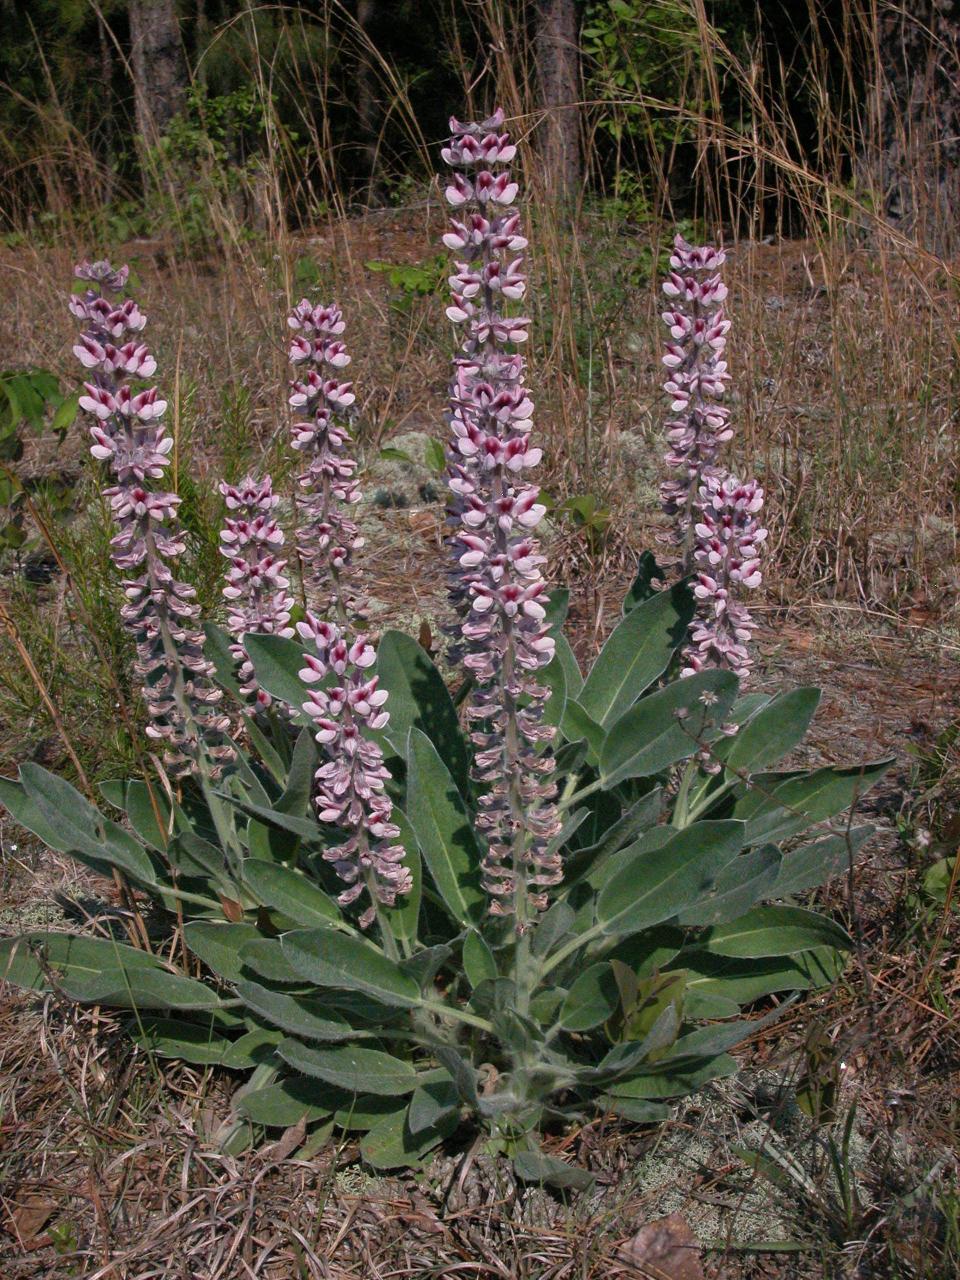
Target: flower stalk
(498,586)
(715,527)
(255,583)
(326,535)
(352,778)
(179,691)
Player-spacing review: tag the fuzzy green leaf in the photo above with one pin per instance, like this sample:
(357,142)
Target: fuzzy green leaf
(290,892)
(282,1104)
(81,830)
(773,731)
(815,863)
(774,931)
(637,652)
(100,971)
(188,1041)
(355,1069)
(543,1170)
(299,1015)
(652,734)
(219,945)
(750,877)
(444,830)
(591,1000)
(657,884)
(419,698)
(277,661)
(478,962)
(334,960)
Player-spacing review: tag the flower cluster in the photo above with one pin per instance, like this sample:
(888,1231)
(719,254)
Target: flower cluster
(729,539)
(128,435)
(498,586)
(256,587)
(326,536)
(350,782)
(716,524)
(697,379)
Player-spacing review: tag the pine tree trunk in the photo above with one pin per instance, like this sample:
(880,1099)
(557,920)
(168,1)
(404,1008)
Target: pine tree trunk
(916,108)
(557,52)
(367,110)
(159,67)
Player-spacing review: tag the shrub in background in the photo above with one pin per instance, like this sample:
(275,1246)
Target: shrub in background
(408,927)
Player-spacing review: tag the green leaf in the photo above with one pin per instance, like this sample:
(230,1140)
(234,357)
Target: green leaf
(444,830)
(299,1015)
(577,725)
(304,827)
(250,1050)
(277,661)
(557,606)
(739,885)
(636,1110)
(665,726)
(432,1103)
(435,456)
(544,1170)
(141,804)
(282,1104)
(298,792)
(265,958)
(566,659)
(79,829)
(478,961)
(805,798)
(99,971)
(364,1112)
(774,731)
(404,915)
(636,654)
(639,817)
(661,882)
(591,1000)
(627,1057)
(554,677)
(661,1081)
(66,413)
(189,1041)
(419,699)
(743,981)
(332,959)
(24,811)
(643,588)
(219,945)
(553,926)
(814,864)
(390,1144)
(217,648)
(774,931)
(354,1069)
(289,892)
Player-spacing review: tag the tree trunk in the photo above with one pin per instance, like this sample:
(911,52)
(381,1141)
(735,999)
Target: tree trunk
(159,67)
(367,110)
(916,106)
(557,53)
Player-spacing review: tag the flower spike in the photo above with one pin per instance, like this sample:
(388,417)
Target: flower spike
(498,585)
(351,780)
(716,528)
(255,583)
(128,435)
(326,536)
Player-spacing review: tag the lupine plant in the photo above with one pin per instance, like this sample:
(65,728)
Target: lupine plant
(432,920)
